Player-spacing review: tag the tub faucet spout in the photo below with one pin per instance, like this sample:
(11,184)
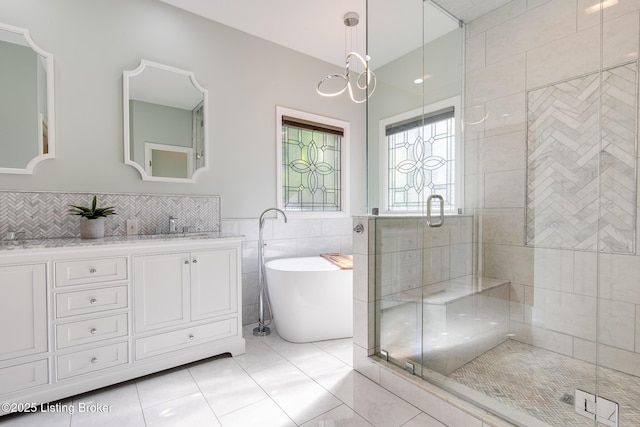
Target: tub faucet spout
(268,210)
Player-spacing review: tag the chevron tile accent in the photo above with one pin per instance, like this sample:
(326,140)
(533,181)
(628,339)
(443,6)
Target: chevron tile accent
(44,215)
(568,172)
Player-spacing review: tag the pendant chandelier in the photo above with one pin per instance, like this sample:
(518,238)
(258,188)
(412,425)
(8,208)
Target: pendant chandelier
(358,84)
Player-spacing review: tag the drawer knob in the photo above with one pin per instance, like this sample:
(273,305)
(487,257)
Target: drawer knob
(93,331)
(191,337)
(195,261)
(186,262)
(94,360)
(93,270)
(93,301)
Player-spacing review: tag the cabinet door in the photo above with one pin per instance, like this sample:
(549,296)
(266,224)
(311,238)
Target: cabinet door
(161,290)
(23,310)
(214,289)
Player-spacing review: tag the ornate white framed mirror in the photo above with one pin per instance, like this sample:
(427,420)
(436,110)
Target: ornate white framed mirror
(165,123)
(27,125)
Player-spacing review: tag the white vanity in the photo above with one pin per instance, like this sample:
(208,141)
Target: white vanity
(79,315)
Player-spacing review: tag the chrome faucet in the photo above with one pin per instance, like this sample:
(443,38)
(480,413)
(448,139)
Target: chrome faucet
(261,244)
(263,296)
(172,224)
(14,235)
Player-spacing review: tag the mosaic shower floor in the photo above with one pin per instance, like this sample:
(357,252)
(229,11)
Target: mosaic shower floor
(535,380)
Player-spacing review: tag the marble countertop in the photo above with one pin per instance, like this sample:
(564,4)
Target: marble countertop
(110,240)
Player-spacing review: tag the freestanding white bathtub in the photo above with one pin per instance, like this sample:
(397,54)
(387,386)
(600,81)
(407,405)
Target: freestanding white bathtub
(311,298)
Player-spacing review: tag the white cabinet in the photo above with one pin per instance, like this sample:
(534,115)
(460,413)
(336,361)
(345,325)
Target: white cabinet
(91,330)
(161,290)
(181,339)
(23,335)
(23,376)
(95,270)
(171,289)
(79,318)
(23,310)
(91,322)
(94,359)
(91,301)
(213,287)
(177,289)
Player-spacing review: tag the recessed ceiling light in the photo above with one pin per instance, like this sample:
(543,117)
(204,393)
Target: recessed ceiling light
(422,79)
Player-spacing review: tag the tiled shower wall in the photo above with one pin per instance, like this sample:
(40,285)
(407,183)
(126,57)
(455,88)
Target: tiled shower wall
(295,238)
(410,254)
(44,215)
(523,46)
(578,196)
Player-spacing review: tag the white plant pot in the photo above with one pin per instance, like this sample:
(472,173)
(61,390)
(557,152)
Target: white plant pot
(91,228)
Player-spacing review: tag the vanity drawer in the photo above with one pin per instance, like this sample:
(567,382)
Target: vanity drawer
(23,376)
(98,270)
(86,331)
(177,340)
(91,301)
(83,362)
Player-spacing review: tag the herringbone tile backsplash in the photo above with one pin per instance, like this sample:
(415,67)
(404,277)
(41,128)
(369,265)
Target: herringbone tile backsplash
(44,215)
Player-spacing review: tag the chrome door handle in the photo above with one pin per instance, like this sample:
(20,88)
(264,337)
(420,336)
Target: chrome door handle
(430,222)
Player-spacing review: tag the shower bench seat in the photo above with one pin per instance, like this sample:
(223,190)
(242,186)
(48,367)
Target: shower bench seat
(444,292)
(461,319)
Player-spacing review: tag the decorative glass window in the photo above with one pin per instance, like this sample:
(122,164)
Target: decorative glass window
(311,156)
(421,159)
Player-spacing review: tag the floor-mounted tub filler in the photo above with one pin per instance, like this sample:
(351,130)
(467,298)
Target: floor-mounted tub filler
(264,303)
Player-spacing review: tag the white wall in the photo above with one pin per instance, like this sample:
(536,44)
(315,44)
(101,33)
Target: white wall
(93,41)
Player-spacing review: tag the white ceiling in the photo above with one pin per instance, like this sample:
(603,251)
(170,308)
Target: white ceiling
(468,10)
(316,28)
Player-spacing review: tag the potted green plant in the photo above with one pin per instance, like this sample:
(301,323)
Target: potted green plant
(92,219)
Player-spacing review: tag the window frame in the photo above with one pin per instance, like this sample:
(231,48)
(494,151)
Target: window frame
(383,151)
(345,144)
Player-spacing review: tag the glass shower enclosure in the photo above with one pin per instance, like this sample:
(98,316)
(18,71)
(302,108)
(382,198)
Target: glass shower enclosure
(517,286)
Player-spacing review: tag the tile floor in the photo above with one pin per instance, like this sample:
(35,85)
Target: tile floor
(535,380)
(275,383)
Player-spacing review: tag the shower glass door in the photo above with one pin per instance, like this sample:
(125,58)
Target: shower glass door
(395,139)
(527,299)
(615,295)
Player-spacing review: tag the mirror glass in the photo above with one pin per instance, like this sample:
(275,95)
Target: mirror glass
(165,129)
(26,105)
